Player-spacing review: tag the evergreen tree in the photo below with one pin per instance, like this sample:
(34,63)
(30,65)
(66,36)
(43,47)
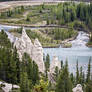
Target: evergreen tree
(72,78)
(61,64)
(81,76)
(88,78)
(64,83)
(88,71)
(24,82)
(4,41)
(77,73)
(56,73)
(47,63)
(31,68)
(12,72)
(16,59)
(35,73)
(73,15)
(78,10)
(28,18)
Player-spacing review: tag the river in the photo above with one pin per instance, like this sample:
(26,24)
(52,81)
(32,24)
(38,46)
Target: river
(79,51)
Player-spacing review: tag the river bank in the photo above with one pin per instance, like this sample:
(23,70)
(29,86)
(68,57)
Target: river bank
(33,25)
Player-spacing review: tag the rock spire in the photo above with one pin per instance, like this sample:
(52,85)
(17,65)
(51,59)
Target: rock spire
(55,63)
(35,51)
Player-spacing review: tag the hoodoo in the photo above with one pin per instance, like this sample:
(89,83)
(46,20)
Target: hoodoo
(35,51)
(37,55)
(78,88)
(55,63)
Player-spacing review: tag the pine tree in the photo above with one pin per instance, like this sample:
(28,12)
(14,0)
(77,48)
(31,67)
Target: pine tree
(56,73)
(88,71)
(72,78)
(31,68)
(35,73)
(12,71)
(4,41)
(61,64)
(47,63)
(81,76)
(24,82)
(88,78)
(72,15)
(16,59)
(64,83)
(77,73)
(78,10)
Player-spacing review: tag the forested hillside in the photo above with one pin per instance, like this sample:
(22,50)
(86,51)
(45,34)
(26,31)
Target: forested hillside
(26,73)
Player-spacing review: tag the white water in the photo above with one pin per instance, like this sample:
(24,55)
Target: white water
(79,51)
(81,40)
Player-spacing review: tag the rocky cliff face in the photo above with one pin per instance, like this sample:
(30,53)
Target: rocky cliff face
(78,88)
(35,51)
(55,63)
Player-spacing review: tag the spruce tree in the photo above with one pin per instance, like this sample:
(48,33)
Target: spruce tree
(77,73)
(64,83)
(16,59)
(12,71)
(72,78)
(24,82)
(88,71)
(35,73)
(56,73)
(81,76)
(61,64)
(4,41)
(47,63)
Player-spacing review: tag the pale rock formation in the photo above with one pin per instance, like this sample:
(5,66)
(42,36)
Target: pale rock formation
(35,51)
(8,87)
(38,55)
(55,63)
(78,88)
(24,44)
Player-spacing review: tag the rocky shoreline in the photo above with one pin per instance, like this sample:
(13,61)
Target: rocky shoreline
(66,43)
